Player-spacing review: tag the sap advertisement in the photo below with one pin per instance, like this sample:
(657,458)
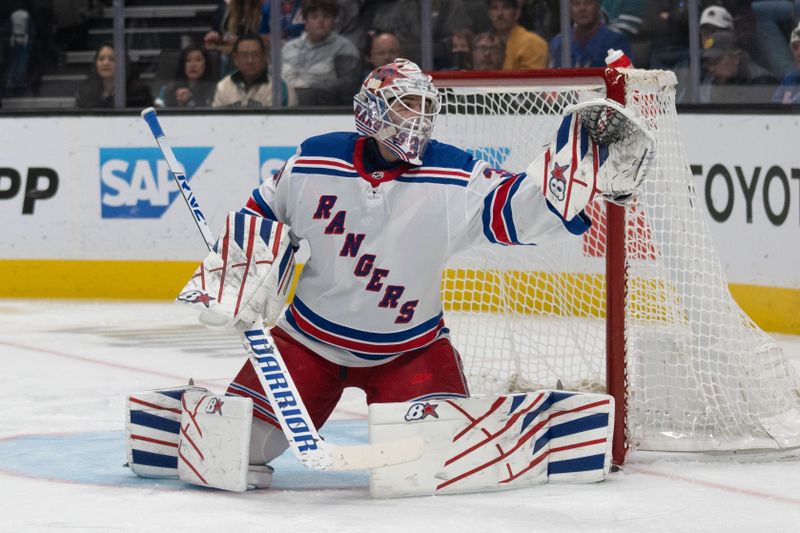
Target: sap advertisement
(98,187)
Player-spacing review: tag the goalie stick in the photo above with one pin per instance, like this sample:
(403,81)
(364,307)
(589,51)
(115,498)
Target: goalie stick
(275,379)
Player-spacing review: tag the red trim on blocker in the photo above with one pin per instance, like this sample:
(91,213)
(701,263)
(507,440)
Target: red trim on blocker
(546,170)
(575,163)
(225,240)
(249,254)
(386,175)
(362,347)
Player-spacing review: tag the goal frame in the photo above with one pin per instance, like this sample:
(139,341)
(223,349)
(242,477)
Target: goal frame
(615,259)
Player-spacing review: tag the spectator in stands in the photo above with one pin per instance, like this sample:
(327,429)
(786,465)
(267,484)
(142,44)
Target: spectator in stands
(524,49)
(774,19)
(538,16)
(625,16)
(72,19)
(234,18)
(488,52)
(789,90)
(321,65)
(292,24)
(249,84)
(744,25)
(348,22)
(194,83)
(97,91)
(402,17)
(590,37)
(461,50)
(730,76)
(18,38)
(714,19)
(667,23)
(383,48)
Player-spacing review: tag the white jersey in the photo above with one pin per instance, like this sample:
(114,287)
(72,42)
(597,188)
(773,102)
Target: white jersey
(371,288)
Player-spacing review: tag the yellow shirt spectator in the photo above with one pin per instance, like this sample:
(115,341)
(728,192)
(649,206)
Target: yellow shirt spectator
(525,50)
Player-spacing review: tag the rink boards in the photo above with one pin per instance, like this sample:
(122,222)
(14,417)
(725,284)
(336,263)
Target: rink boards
(89,210)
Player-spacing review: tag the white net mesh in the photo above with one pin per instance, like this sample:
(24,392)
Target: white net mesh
(700,374)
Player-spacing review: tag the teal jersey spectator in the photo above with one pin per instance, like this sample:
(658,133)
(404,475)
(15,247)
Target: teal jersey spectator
(626,16)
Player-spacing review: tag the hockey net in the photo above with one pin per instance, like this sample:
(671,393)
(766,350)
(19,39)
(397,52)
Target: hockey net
(639,306)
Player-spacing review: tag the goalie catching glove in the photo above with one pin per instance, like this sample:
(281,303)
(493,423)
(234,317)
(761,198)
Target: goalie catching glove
(246,275)
(601,148)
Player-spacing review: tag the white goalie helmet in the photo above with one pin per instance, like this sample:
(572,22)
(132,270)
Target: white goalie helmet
(383,112)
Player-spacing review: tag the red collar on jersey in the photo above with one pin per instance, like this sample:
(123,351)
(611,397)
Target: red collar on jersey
(379,176)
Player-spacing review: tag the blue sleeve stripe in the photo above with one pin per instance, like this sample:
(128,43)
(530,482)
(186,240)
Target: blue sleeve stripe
(436,181)
(262,204)
(487,218)
(508,215)
(324,171)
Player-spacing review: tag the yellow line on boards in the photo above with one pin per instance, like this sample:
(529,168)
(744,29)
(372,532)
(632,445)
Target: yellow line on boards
(772,308)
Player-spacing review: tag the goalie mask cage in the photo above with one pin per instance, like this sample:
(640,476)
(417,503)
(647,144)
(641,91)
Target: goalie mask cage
(638,306)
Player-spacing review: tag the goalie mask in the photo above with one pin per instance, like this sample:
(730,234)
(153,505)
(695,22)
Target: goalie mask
(397,105)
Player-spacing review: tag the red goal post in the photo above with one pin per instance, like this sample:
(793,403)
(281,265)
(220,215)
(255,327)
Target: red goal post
(640,308)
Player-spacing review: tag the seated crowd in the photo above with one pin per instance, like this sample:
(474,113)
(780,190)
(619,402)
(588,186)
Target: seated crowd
(750,49)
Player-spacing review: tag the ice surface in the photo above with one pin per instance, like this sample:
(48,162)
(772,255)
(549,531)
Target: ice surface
(67,366)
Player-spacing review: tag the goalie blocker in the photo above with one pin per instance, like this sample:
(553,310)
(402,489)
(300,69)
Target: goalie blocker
(246,275)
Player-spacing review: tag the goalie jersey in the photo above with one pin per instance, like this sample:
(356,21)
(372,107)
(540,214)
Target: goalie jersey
(379,240)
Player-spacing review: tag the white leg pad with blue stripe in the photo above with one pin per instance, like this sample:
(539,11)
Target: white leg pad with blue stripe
(152,427)
(495,443)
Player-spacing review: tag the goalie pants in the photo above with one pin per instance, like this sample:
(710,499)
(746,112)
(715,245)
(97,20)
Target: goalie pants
(430,372)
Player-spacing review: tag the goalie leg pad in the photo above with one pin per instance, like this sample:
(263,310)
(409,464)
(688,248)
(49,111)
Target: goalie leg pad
(214,443)
(499,443)
(152,426)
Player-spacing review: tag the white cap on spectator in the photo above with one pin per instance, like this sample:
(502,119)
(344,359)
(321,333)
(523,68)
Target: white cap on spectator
(795,36)
(717,16)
